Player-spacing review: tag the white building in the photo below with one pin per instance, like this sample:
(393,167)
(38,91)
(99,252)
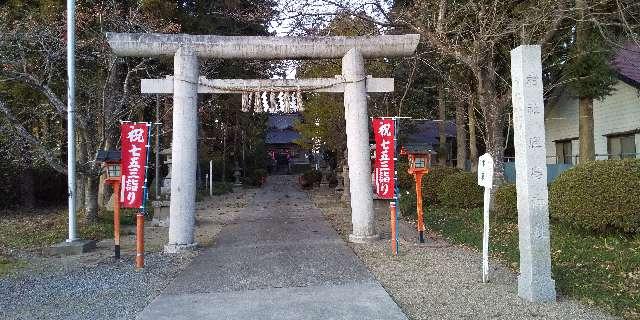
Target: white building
(616,117)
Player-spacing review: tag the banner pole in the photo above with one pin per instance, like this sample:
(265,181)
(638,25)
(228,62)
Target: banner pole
(395,179)
(142,211)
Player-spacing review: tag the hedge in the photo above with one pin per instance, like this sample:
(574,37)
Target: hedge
(505,205)
(431,183)
(221,188)
(405,180)
(599,196)
(460,190)
(430,187)
(408,205)
(255,178)
(309,178)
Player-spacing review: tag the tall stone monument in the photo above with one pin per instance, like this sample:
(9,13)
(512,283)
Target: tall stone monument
(534,282)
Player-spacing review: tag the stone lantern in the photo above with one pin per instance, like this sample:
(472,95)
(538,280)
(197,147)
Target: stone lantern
(237,173)
(419,155)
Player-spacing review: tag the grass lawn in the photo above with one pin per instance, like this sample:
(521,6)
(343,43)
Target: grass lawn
(7,264)
(597,269)
(34,230)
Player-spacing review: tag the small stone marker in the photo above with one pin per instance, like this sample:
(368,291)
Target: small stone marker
(534,282)
(485,179)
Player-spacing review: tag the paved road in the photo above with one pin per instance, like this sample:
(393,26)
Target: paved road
(279,260)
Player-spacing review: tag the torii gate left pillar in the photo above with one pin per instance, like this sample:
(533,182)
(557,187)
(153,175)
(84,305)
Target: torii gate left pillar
(184,152)
(186,50)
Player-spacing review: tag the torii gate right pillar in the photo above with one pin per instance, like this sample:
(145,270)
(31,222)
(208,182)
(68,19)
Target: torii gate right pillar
(184,151)
(359,160)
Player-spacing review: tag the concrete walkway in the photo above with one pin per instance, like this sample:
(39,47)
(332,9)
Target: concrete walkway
(279,260)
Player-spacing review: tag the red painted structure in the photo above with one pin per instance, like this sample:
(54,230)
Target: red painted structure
(419,164)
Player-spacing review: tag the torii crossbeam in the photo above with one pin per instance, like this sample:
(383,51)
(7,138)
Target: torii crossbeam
(333,85)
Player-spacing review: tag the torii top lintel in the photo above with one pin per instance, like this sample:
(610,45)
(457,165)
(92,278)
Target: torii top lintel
(250,47)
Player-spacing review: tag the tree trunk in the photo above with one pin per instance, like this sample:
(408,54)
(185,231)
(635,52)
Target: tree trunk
(585,108)
(461,136)
(442,116)
(91,198)
(473,144)
(224,152)
(585,129)
(80,194)
(102,202)
(494,120)
(27,190)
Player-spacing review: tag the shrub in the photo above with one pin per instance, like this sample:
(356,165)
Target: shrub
(408,205)
(332,179)
(405,180)
(255,178)
(460,190)
(506,204)
(221,188)
(309,178)
(599,195)
(431,183)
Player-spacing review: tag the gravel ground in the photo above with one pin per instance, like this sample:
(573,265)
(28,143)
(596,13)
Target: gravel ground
(107,290)
(437,280)
(94,285)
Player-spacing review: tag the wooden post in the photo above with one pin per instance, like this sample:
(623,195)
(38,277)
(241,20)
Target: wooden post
(420,224)
(116,219)
(140,240)
(394,240)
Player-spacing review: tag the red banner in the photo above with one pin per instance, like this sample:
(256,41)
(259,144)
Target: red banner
(384,172)
(134,138)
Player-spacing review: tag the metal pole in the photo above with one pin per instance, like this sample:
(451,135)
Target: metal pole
(396,202)
(210,178)
(157,143)
(143,209)
(71,109)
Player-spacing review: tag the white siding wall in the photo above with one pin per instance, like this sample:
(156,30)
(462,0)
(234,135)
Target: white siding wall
(561,122)
(618,112)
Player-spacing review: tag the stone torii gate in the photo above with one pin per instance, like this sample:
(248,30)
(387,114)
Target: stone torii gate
(185,85)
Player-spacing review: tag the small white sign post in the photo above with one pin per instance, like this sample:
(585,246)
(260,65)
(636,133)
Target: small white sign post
(211,178)
(485,179)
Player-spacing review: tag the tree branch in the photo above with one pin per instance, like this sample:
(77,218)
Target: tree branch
(46,154)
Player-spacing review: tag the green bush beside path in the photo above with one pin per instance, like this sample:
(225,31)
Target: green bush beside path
(597,269)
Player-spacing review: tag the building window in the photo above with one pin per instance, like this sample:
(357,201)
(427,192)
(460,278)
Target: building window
(621,146)
(563,152)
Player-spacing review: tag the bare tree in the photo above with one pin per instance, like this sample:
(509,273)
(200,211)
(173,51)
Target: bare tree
(32,55)
(475,34)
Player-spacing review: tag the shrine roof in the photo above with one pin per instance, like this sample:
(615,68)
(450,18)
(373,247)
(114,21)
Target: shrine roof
(627,63)
(108,155)
(427,132)
(418,148)
(276,136)
(282,121)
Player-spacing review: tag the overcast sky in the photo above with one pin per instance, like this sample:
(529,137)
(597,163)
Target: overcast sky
(289,9)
